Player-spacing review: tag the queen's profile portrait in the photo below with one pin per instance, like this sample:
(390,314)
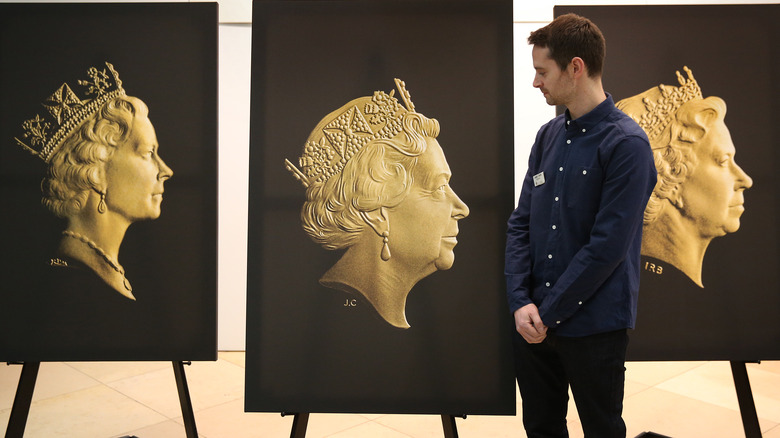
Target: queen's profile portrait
(378,187)
(700,191)
(103,170)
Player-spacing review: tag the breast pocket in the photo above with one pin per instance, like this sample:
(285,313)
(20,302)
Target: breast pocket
(583,189)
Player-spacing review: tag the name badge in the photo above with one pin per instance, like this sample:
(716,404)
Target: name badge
(538,179)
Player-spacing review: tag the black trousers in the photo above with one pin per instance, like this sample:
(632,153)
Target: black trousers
(593,365)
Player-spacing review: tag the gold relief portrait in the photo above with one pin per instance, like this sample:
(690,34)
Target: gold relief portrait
(103,172)
(377,187)
(700,190)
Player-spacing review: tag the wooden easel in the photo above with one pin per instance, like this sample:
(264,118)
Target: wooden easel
(24,393)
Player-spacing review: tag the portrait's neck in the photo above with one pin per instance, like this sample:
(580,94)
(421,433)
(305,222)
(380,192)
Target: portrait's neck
(383,283)
(677,241)
(93,239)
(106,230)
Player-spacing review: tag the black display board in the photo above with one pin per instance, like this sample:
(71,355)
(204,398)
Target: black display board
(316,349)
(732,53)
(166,55)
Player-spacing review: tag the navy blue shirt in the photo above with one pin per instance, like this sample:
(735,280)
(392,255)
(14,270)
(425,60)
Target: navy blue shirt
(573,242)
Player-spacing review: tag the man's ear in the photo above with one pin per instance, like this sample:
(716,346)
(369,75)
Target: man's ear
(578,67)
(377,220)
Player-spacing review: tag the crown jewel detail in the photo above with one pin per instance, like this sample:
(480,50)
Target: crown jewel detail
(342,134)
(42,137)
(659,112)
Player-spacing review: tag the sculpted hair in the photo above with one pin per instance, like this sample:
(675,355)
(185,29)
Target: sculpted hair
(674,150)
(570,36)
(77,166)
(378,175)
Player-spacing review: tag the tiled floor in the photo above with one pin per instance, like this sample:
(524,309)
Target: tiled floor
(96,400)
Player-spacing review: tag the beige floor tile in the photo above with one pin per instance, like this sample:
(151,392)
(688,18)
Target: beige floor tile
(712,383)
(767,365)
(679,399)
(325,425)
(54,378)
(229,420)
(772,433)
(94,412)
(490,426)
(210,384)
(214,383)
(166,429)
(675,415)
(370,429)
(235,357)
(156,389)
(765,386)
(633,387)
(9,380)
(107,372)
(417,426)
(653,373)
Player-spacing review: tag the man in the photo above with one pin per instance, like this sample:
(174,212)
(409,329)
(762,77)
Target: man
(572,251)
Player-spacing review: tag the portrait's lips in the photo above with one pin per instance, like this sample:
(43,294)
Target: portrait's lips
(450,239)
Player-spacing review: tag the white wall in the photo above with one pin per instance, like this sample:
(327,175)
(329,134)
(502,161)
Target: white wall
(234,81)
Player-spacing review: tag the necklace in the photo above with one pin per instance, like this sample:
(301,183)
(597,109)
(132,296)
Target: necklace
(114,265)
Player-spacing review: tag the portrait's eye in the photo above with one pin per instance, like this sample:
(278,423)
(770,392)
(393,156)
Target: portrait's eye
(440,192)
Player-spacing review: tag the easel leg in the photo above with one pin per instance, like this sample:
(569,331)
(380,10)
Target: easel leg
(300,422)
(22,401)
(450,428)
(184,398)
(747,406)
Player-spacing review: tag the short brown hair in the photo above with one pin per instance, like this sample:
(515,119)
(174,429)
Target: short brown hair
(570,36)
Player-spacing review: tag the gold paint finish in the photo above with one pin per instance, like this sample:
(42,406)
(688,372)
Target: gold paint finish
(377,186)
(700,190)
(104,171)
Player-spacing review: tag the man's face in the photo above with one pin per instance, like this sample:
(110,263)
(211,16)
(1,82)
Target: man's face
(557,85)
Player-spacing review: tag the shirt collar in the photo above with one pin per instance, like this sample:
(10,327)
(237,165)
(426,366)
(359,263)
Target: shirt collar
(593,117)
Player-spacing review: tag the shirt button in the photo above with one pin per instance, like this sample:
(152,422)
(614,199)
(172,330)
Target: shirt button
(568,141)
(580,303)
(549,256)
(568,122)
(560,169)
(584,172)
(583,129)
(547,284)
(557,322)
(556,199)
(554,227)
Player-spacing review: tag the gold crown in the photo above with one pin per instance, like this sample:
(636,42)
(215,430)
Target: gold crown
(66,111)
(347,130)
(660,111)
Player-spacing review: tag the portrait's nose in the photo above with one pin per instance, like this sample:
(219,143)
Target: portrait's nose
(744,181)
(537,83)
(459,208)
(165,172)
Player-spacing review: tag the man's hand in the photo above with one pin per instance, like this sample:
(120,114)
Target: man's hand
(529,324)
